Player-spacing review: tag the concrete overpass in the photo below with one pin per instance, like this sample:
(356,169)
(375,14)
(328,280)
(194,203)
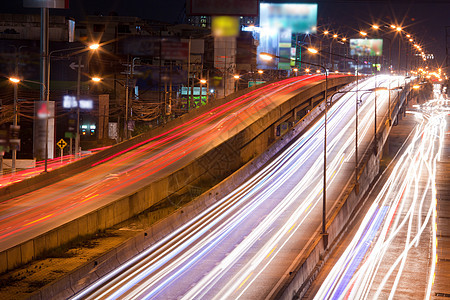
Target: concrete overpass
(306,264)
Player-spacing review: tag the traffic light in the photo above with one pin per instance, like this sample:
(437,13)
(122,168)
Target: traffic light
(14,134)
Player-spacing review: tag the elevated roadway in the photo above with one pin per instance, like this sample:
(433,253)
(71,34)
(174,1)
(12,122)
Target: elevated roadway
(249,243)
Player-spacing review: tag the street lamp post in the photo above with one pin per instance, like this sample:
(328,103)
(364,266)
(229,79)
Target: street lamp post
(77,133)
(236,77)
(267,56)
(315,51)
(16,81)
(16,74)
(202,82)
(356,128)
(77,141)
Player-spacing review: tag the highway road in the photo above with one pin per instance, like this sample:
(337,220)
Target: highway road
(247,242)
(393,253)
(27,216)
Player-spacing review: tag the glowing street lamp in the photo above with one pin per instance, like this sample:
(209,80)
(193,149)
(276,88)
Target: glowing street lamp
(96,79)
(260,72)
(94,46)
(375,27)
(265,56)
(312,50)
(363,33)
(14,79)
(236,77)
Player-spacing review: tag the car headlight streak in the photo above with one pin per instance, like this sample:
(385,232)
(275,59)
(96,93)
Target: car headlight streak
(408,191)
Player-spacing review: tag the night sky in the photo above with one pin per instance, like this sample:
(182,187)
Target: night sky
(425,20)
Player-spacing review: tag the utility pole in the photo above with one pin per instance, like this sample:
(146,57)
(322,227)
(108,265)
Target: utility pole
(77,136)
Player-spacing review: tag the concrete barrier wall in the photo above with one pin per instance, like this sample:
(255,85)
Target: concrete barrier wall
(228,154)
(83,276)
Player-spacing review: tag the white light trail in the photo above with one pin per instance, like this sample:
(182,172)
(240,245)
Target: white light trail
(157,268)
(406,193)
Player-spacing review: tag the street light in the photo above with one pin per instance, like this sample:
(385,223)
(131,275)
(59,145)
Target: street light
(202,82)
(267,56)
(16,81)
(312,50)
(356,117)
(236,77)
(94,46)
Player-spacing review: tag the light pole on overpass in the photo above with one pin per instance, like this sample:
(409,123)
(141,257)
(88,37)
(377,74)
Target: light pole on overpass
(82,49)
(315,51)
(376,89)
(267,56)
(17,80)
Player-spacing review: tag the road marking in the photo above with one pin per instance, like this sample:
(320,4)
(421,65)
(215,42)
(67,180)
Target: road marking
(243,282)
(307,208)
(273,249)
(295,223)
(89,198)
(39,219)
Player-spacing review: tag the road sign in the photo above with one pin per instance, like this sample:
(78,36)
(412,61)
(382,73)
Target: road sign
(61,144)
(73,65)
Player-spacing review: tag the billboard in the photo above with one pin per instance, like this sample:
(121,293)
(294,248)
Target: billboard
(299,18)
(279,22)
(222,8)
(366,47)
(225,26)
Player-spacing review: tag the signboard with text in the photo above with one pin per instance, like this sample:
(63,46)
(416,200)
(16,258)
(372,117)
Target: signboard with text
(366,47)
